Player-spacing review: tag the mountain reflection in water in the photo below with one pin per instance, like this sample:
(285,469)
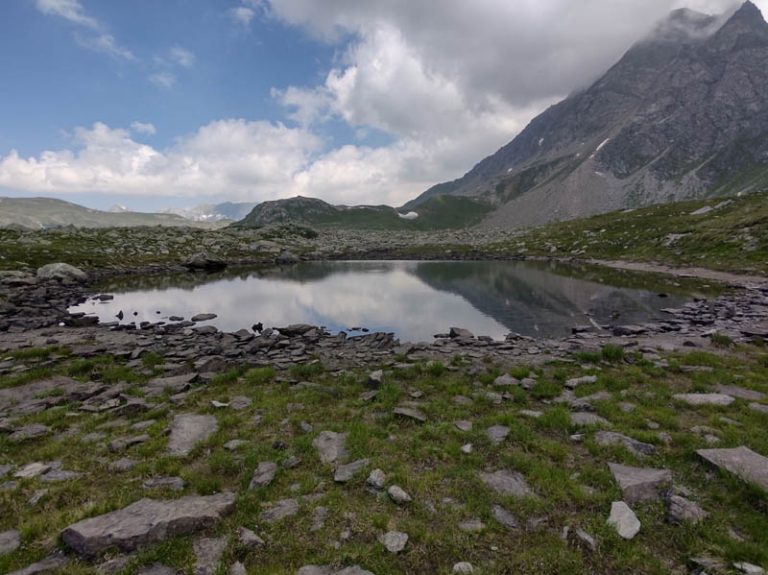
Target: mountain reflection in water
(413,299)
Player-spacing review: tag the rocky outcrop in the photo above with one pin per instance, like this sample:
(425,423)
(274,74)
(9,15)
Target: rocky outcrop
(145,522)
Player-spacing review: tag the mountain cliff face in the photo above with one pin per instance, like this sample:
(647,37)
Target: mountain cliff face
(683,114)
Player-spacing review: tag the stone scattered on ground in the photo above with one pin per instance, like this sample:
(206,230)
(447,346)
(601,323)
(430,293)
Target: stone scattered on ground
(639,483)
(346,472)
(249,539)
(506,483)
(410,413)
(587,418)
(681,510)
(463,568)
(331,446)
(741,462)
(624,520)
(697,399)
(208,552)
(147,521)
(9,541)
(280,510)
(497,433)
(612,438)
(188,430)
(263,475)
(399,495)
(394,541)
(377,480)
(504,517)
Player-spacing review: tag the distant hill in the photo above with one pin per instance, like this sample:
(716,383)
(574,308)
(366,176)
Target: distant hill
(42,213)
(437,213)
(682,115)
(225,211)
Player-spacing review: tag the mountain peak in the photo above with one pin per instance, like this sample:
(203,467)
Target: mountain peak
(747,19)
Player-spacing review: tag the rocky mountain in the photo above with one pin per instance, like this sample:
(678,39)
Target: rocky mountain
(225,211)
(41,213)
(435,213)
(684,114)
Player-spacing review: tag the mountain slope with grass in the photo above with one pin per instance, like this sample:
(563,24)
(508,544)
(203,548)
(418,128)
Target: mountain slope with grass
(437,213)
(682,115)
(43,213)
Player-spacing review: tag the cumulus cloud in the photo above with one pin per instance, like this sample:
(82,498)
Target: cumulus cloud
(164,80)
(242,15)
(143,128)
(228,157)
(96,39)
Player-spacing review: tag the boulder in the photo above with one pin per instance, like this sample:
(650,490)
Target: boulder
(740,461)
(639,483)
(205,262)
(331,446)
(146,522)
(61,272)
(624,520)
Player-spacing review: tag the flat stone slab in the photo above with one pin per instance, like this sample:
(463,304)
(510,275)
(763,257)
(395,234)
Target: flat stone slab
(173,384)
(741,392)
(263,475)
(331,446)
(741,461)
(506,483)
(146,522)
(640,483)
(280,510)
(346,472)
(697,399)
(605,438)
(497,434)
(187,430)
(586,418)
(410,413)
(9,541)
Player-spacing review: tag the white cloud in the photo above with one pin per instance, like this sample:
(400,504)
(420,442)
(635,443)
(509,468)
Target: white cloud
(143,128)
(182,56)
(70,10)
(97,39)
(242,15)
(231,158)
(105,44)
(164,80)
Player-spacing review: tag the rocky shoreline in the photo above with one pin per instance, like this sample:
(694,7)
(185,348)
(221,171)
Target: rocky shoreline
(190,372)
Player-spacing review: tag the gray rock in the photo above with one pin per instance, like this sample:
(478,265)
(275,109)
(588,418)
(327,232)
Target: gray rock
(51,564)
(399,495)
(505,380)
(157,569)
(319,516)
(740,392)
(504,517)
(249,539)
(748,568)
(61,271)
(331,446)
(208,552)
(759,407)
(346,472)
(234,444)
(146,522)
(394,541)
(586,418)
(410,413)
(624,520)
(203,317)
(472,525)
(612,438)
(506,483)
(240,403)
(263,475)
(237,568)
(681,510)
(463,425)
(697,399)
(280,510)
(639,483)
(461,333)
(463,568)
(741,462)
(377,480)
(172,483)
(9,541)
(5,470)
(577,381)
(187,430)
(497,433)
(31,431)
(32,470)
(55,475)
(376,379)
(205,261)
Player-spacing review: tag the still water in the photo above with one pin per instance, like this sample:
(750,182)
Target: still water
(415,300)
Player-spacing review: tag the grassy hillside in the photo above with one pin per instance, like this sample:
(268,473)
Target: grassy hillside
(43,213)
(731,236)
(442,212)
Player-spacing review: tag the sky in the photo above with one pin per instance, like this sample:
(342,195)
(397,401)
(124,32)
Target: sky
(154,104)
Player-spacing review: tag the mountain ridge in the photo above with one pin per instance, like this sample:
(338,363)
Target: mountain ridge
(682,114)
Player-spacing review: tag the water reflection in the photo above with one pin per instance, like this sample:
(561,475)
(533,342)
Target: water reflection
(413,299)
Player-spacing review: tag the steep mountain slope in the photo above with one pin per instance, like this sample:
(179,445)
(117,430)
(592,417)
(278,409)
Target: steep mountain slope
(683,114)
(41,213)
(435,213)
